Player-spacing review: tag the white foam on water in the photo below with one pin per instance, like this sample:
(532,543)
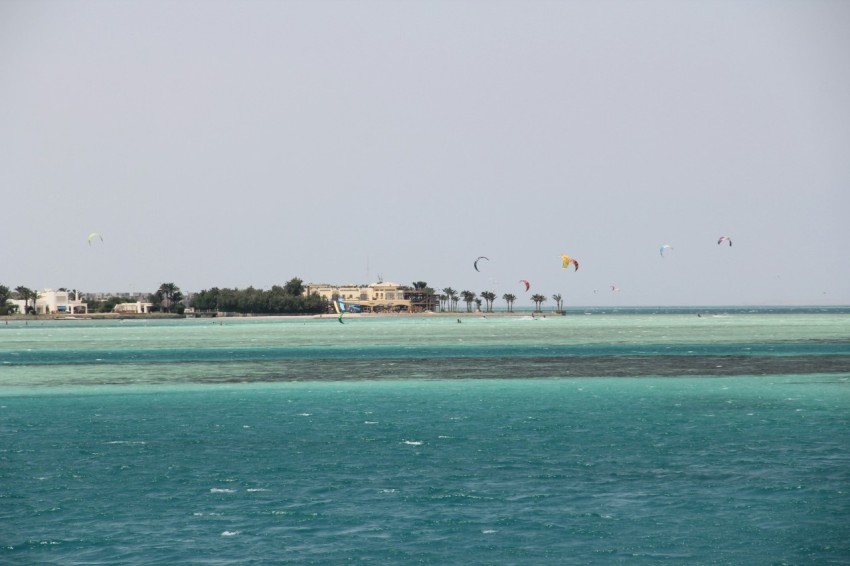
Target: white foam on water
(370,422)
(221,490)
(413,442)
(253,489)
(488,531)
(230,533)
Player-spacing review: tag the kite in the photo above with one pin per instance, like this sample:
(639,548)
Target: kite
(663,248)
(567,260)
(724,239)
(94,235)
(526,283)
(614,288)
(475,263)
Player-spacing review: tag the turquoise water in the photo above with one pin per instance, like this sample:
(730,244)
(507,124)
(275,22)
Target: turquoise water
(634,438)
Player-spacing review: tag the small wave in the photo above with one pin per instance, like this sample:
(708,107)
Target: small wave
(413,442)
(222,490)
(252,489)
(128,442)
(370,422)
(230,533)
(488,531)
(304,414)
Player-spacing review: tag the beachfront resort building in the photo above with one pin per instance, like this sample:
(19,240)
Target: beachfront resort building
(382,296)
(54,302)
(138,307)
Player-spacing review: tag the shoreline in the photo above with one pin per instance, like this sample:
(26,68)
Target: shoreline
(572,311)
(233,316)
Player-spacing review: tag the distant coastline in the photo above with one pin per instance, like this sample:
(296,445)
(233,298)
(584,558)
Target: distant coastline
(572,311)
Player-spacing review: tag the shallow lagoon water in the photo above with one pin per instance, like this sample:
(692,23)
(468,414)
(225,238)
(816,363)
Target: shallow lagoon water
(602,438)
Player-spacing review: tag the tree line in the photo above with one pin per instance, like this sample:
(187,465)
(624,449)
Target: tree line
(287,299)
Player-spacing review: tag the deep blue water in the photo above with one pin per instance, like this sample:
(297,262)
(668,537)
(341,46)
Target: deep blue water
(415,440)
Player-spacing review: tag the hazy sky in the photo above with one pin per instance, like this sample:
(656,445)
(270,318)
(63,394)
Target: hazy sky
(236,143)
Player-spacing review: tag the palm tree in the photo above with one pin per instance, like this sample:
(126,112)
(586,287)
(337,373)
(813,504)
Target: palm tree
(477,304)
(171,294)
(454,298)
(538,301)
(557,298)
(25,294)
(489,297)
(509,298)
(5,294)
(468,297)
(449,294)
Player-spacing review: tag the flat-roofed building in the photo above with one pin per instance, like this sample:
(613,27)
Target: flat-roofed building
(55,302)
(382,296)
(133,308)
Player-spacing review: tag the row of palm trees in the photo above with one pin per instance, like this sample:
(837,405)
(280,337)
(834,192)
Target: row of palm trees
(450,298)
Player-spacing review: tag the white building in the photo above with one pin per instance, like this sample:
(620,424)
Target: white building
(55,302)
(133,308)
